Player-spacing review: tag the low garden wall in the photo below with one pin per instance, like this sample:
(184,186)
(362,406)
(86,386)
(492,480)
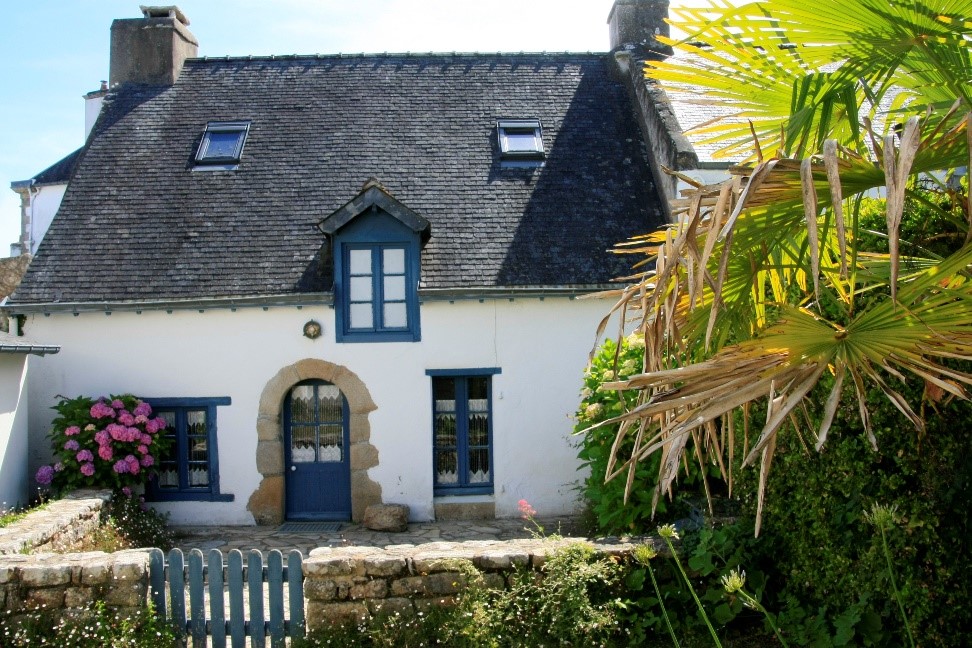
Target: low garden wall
(60,524)
(351,583)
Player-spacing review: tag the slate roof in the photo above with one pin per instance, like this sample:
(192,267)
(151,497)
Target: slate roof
(14,344)
(57,173)
(137,223)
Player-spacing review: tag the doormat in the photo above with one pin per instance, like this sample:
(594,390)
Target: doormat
(309,527)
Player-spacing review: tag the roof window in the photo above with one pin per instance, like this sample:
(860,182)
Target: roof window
(222,145)
(520,139)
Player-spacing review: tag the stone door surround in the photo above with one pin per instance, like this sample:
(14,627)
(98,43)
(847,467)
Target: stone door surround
(267,502)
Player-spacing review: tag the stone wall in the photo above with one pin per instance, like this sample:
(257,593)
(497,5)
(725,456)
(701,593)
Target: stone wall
(59,524)
(352,583)
(31,578)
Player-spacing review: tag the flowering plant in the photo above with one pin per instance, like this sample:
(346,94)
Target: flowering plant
(110,442)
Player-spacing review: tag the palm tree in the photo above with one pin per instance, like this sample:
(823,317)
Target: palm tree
(763,293)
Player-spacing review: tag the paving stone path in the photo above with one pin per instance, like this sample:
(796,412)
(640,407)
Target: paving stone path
(265,538)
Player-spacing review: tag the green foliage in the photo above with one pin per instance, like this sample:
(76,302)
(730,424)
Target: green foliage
(827,564)
(573,602)
(128,524)
(104,443)
(96,627)
(709,556)
(606,500)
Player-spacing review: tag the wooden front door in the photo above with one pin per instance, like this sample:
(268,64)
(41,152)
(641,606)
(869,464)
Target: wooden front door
(316,449)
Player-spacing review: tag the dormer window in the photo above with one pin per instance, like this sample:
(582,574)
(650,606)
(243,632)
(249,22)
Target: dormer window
(520,139)
(222,145)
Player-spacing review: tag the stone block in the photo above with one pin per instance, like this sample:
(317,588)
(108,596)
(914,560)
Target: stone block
(322,565)
(429,564)
(364,456)
(46,597)
(45,573)
(267,501)
(268,428)
(320,589)
(494,581)
(95,572)
(77,597)
(445,583)
(386,517)
(126,594)
(359,429)
(312,368)
(408,586)
(391,606)
(271,400)
(269,458)
(383,565)
(371,589)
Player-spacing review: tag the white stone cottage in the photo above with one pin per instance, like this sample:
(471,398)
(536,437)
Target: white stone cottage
(348,280)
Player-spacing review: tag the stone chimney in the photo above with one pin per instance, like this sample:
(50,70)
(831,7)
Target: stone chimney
(151,49)
(635,23)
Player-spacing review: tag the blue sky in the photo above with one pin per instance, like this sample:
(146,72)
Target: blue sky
(54,51)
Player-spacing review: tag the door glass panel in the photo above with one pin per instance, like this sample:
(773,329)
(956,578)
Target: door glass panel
(302,403)
(395,315)
(359,262)
(362,316)
(393,261)
(394,288)
(332,440)
(360,289)
(330,402)
(303,443)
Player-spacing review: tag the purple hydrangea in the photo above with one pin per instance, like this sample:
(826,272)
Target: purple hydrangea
(58,467)
(147,461)
(118,404)
(44,475)
(71,445)
(101,410)
(143,409)
(102,438)
(87,469)
(120,467)
(127,491)
(84,455)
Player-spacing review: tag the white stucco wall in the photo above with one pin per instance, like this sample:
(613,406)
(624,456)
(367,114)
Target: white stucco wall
(13,430)
(541,347)
(41,211)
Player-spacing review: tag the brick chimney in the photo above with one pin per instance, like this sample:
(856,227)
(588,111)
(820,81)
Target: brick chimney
(151,49)
(635,23)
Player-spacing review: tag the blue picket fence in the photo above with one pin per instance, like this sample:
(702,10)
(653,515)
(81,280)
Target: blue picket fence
(260,585)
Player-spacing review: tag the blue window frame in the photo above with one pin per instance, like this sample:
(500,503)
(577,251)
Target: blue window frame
(462,431)
(190,468)
(380,301)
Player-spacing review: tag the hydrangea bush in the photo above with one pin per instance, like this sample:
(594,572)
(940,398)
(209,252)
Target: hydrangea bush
(110,442)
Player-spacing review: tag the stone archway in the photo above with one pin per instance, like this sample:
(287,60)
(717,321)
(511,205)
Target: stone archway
(267,502)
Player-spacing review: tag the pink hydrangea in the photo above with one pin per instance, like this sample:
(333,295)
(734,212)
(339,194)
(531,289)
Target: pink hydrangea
(84,455)
(44,475)
(71,445)
(118,404)
(100,410)
(141,419)
(142,449)
(125,418)
(116,431)
(105,452)
(102,438)
(87,469)
(146,439)
(147,461)
(143,409)
(153,426)
(71,431)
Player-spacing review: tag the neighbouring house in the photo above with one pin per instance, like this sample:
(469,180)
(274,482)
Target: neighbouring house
(14,359)
(347,280)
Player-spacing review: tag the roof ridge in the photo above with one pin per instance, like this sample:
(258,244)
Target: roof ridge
(368,55)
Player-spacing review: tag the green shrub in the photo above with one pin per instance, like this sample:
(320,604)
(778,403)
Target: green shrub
(827,572)
(127,524)
(95,627)
(605,501)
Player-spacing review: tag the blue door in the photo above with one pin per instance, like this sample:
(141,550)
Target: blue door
(318,468)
